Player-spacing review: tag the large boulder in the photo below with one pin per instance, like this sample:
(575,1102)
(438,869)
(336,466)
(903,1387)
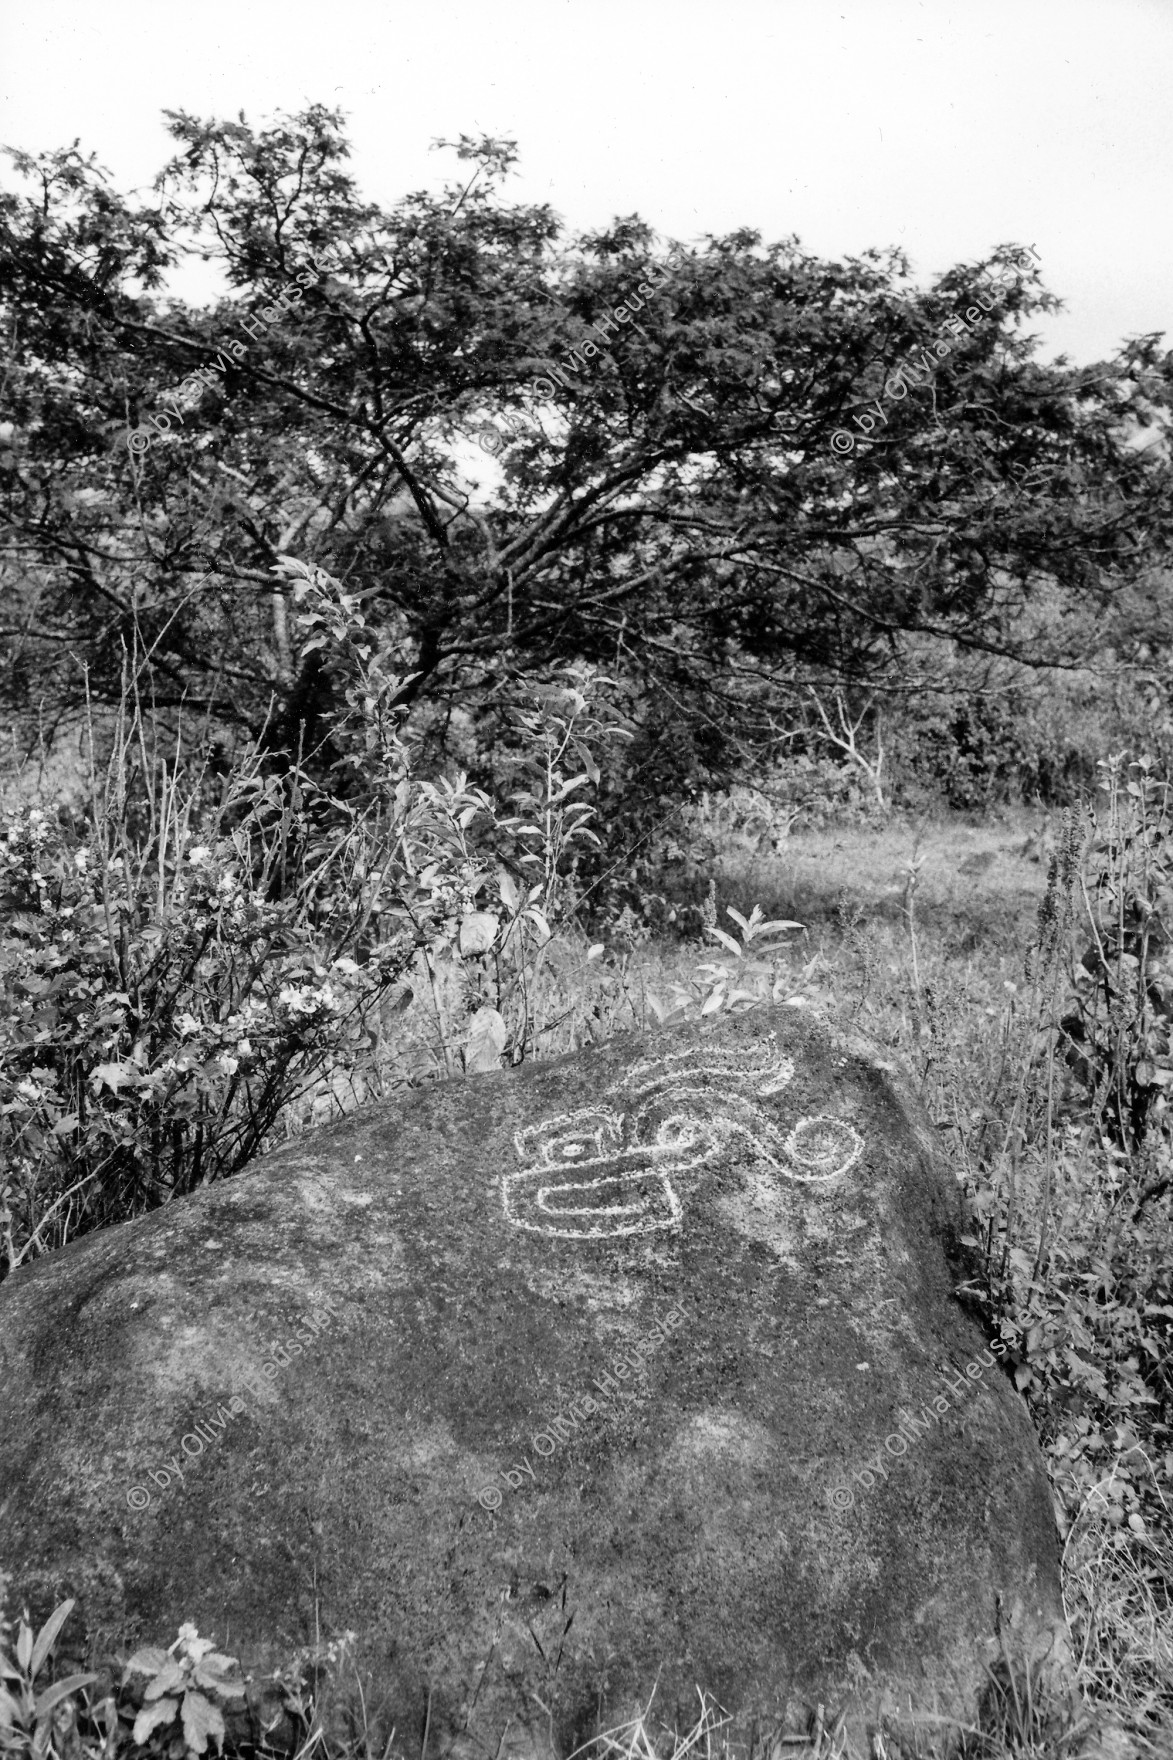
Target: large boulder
(640,1367)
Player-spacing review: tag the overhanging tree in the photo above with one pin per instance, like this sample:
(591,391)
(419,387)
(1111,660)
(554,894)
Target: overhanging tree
(680,512)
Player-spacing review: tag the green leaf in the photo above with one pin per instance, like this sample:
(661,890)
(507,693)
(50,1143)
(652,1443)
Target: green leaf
(726,940)
(219,1663)
(116,1076)
(486,1040)
(61,1690)
(205,1675)
(168,1678)
(201,1719)
(147,1661)
(508,890)
(152,1717)
(10,1711)
(477,932)
(568,787)
(48,1636)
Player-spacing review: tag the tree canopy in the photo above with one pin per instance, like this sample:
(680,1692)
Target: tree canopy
(773,471)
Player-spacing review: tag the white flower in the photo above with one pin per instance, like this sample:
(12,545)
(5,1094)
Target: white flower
(307,1000)
(81,860)
(28,1089)
(229,1065)
(297,1001)
(187,1024)
(200,853)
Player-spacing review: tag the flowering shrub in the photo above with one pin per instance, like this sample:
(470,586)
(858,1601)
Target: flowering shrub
(182,964)
(157,1011)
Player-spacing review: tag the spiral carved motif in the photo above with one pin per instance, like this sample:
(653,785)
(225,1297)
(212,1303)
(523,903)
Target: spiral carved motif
(609,1170)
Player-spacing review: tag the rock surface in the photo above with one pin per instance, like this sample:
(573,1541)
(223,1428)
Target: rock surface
(640,1366)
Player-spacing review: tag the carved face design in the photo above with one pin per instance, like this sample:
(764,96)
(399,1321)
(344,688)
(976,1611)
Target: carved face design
(601,1172)
(823,1148)
(577,1139)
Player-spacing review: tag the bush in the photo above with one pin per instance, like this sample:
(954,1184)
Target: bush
(182,962)
(164,995)
(991,735)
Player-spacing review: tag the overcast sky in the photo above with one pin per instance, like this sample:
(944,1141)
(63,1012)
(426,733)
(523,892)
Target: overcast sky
(945,129)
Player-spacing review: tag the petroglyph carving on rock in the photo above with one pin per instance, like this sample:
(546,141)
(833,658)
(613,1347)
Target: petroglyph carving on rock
(750,1517)
(603,1172)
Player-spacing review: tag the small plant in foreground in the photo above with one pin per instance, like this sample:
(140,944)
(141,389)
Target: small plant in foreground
(749,976)
(27,1722)
(184,1684)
